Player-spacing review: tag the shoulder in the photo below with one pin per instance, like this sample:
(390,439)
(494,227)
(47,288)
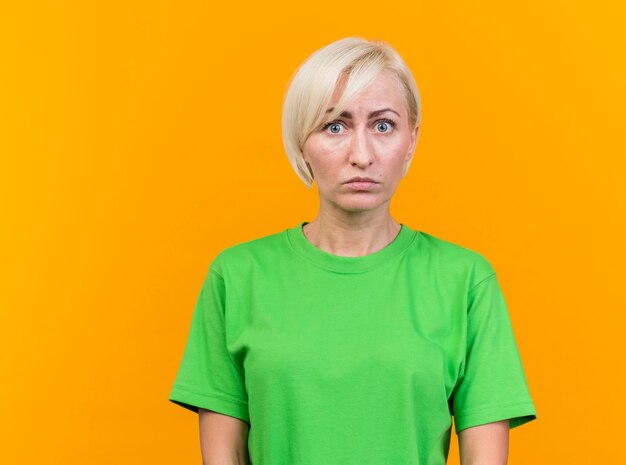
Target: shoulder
(245,253)
(452,258)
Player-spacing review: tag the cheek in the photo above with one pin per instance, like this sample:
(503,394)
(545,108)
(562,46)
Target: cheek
(328,146)
(393,149)
(323,153)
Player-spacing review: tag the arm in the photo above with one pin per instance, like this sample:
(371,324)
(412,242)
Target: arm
(223,439)
(485,444)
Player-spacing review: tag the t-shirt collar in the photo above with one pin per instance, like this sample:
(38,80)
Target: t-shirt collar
(306,250)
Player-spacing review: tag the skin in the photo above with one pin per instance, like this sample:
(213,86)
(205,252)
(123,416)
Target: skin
(485,444)
(223,439)
(358,222)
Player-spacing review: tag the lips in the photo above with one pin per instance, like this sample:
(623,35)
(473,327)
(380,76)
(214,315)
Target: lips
(361,179)
(361,184)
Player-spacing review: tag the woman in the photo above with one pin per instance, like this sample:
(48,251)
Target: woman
(352,338)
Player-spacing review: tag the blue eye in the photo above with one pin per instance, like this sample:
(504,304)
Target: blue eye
(335,128)
(384,126)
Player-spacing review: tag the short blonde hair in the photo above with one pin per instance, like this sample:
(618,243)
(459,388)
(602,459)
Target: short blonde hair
(312,85)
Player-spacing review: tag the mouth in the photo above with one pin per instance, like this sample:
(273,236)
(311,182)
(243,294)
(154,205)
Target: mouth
(361,185)
(361,179)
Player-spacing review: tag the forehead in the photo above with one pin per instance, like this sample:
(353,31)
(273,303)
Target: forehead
(386,89)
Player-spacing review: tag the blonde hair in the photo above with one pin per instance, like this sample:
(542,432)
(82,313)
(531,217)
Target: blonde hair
(312,85)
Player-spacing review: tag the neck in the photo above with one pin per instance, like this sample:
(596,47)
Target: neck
(351,237)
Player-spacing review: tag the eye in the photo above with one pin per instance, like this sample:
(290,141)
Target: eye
(385,125)
(333,127)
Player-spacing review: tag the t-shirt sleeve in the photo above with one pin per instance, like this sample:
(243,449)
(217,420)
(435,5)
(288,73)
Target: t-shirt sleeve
(207,376)
(493,385)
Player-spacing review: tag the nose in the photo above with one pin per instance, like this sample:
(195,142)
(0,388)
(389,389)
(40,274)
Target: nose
(361,152)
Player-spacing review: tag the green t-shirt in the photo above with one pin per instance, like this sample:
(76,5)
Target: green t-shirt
(352,360)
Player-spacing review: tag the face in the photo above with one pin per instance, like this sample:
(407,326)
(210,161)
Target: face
(372,139)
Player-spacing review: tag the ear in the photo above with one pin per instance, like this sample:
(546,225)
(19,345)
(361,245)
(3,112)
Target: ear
(413,144)
(306,162)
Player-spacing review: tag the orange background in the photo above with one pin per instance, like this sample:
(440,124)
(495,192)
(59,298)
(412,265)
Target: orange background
(138,139)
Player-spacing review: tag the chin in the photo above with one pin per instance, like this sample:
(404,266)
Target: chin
(359,206)
(355,202)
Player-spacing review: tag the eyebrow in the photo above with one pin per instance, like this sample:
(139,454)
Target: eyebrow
(347,114)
